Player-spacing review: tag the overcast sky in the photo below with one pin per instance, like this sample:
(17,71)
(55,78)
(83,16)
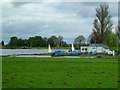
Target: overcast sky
(69,19)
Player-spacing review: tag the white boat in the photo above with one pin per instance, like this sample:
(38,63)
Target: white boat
(73,49)
(49,49)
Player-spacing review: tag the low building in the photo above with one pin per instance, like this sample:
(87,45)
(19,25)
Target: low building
(98,48)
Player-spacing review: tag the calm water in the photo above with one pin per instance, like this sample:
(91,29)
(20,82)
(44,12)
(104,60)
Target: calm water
(24,51)
(34,51)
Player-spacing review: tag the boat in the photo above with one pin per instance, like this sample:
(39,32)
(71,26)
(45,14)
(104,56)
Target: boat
(49,49)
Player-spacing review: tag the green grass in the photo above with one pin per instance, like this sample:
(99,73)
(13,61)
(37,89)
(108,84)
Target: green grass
(59,73)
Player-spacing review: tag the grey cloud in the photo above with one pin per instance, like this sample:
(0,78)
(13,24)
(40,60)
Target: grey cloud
(17,4)
(81,9)
(94,3)
(66,19)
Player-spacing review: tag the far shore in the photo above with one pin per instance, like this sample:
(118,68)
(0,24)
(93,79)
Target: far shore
(35,48)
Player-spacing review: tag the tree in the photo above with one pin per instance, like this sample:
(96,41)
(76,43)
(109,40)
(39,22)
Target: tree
(20,42)
(53,40)
(112,40)
(59,41)
(13,42)
(56,41)
(45,41)
(118,32)
(36,41)
(2,43)
(80,40)
(90,39)
(64,44)
(102,24)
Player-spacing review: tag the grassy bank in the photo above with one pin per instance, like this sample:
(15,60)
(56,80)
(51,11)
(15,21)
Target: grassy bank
(59,73)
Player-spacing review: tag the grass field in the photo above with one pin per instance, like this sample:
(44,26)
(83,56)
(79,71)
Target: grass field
(59,73)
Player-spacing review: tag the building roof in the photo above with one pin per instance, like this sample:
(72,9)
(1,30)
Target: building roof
(98,45)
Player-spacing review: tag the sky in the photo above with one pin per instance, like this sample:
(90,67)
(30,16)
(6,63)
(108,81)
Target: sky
(69,19)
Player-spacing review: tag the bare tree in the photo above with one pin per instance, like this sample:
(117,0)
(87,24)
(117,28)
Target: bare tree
(79,40)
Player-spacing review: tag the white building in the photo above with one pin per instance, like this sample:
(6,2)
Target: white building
(98,48)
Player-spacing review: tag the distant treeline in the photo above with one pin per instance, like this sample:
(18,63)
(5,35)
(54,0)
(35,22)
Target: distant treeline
(56,42)
(37,41)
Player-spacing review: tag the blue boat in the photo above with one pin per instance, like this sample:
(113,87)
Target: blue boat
(93,52)
(58,52)
(76,52)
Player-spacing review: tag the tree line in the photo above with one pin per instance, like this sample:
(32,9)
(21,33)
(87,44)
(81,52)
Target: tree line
(57,42)
(37,41)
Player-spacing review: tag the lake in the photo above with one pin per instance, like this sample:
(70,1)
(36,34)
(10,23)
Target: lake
(29,52)
(25,51)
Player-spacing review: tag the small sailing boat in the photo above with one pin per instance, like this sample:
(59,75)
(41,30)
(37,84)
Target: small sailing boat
(49,49)
(73,49)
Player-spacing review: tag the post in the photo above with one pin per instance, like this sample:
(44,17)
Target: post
(113,53)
